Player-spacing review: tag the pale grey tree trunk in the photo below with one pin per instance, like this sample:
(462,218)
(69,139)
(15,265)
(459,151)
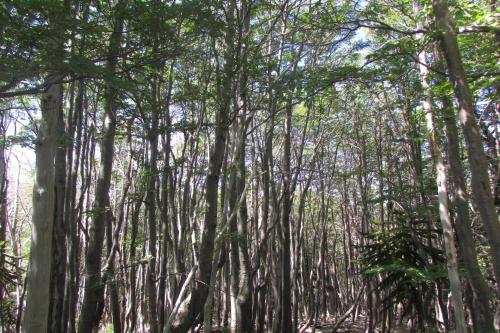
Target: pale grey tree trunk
(40,263)
(444,212)
(481,294)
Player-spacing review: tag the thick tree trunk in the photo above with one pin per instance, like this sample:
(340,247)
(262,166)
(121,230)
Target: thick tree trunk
(48,195)
(39,271)
(482,314)
(481,190)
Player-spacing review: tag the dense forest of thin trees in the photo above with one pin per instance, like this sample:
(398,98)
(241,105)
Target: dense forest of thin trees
(249,166)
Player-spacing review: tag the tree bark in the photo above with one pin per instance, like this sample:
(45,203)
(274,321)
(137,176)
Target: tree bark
(241,284)
(151,208)
(286,300)
(3,206)
(39,271)
(193,305)
(58,275)
(166,214)
(444,212)
(90,316)
(481,190)
(482,314)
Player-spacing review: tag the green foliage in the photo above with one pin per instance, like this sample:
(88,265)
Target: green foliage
(107,329)
(9,278)
(8,272)
(403,257)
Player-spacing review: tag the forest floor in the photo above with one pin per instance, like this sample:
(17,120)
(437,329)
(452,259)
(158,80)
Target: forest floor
(326,326)
(358,326)
(349,326)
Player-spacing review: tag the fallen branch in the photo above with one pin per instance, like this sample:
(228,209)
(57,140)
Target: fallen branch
(348,312)
(179,298)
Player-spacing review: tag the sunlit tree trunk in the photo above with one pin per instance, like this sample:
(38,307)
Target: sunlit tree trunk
(444,212)
(481,189)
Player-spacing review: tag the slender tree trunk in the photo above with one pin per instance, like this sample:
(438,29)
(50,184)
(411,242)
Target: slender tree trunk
(3,210)
(110,278)
(90,315)
(58,275)
(193,305)
(286,301)
(132,310)
(444,213)
(113,231)
(71,212)
(73,160)
(166,214)
(241,310)
(241,300)
(151,207)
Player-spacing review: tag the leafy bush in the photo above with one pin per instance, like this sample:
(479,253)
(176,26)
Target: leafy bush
(404,257)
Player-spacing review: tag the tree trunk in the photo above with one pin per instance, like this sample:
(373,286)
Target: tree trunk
(151,208)
(482,313)
(444,213)
(58,275)
(481,190)
(241,310)
(90,316)
(286,301)
(193,305)
(39,271)
(3,208)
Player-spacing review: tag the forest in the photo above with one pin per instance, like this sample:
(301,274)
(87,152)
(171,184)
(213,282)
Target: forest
(284,166)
